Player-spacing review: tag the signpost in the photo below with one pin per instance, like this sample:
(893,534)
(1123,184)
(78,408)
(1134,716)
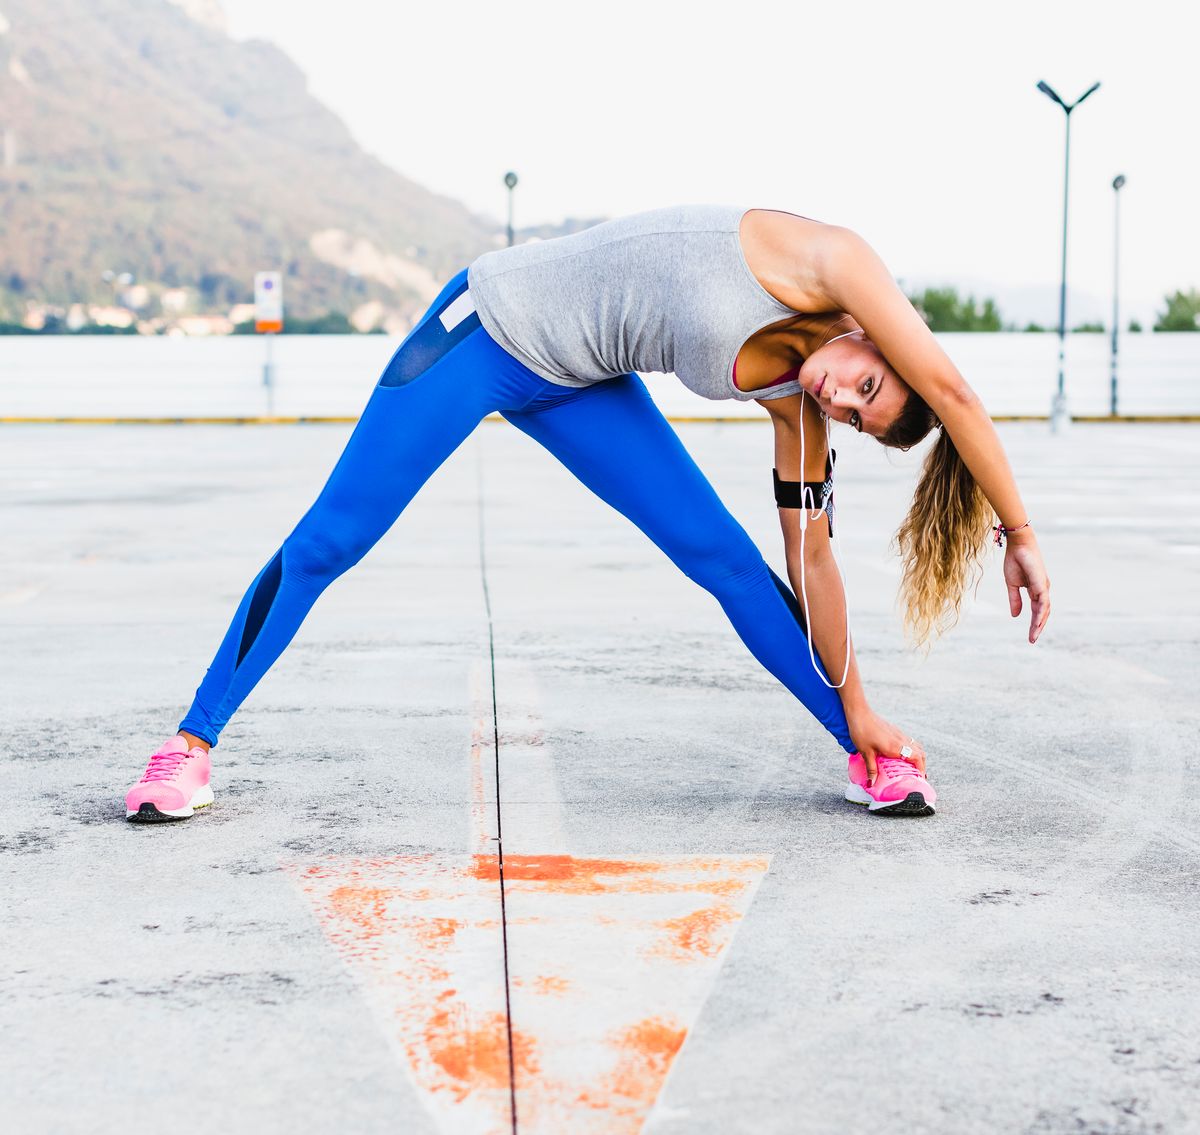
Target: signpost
(268,320)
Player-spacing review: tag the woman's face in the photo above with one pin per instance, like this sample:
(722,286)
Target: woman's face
(852,383)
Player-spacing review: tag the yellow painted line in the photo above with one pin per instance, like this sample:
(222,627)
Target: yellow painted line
(1136,418)
(320,419)
(231,421)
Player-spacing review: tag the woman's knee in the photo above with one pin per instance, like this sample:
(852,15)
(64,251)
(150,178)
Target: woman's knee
(324,552)
(721,564)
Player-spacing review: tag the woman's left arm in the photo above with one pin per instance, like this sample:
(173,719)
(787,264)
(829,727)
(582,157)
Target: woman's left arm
(858,282)
(813,573)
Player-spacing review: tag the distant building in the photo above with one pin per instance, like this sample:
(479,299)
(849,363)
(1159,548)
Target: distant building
(367,316)
(174,300)
(199,325)
(241,313)
(111,316)
(136,297)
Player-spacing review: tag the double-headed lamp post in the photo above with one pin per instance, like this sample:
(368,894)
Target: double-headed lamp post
(1118,182)
(1059,419)
(510,179)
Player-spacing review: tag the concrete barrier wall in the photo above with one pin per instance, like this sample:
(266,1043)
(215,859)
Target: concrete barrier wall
(94,376)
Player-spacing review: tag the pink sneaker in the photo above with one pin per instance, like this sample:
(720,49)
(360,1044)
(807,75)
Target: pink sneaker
(899,789)
(174,784)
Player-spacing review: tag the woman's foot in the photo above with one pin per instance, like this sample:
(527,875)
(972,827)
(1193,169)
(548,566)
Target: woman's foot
(899,788)
(173,786)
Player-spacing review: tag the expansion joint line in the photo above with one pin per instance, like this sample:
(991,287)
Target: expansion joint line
(487,605)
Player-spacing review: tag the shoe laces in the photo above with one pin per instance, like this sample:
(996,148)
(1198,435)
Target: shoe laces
(164,766)
(896,767)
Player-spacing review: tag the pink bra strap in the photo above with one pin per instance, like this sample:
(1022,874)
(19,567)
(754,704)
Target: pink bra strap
(788,376)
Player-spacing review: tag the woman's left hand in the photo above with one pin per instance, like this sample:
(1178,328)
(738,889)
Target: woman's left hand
(874,737)
(1023,567)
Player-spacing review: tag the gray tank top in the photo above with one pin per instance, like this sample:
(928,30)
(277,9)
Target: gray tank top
(668,290)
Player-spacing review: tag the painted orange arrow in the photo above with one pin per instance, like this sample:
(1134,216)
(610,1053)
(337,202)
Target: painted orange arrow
(610,961)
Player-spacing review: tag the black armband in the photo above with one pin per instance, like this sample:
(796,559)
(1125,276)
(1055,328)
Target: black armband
(813,495)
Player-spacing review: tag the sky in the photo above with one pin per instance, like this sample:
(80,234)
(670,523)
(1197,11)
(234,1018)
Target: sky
(916,124)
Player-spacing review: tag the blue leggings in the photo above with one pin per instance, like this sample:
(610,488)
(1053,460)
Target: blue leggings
(446,376)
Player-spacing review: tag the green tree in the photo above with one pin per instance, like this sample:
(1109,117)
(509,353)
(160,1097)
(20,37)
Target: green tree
(1134,326)
(1182,314)
(331,323)
(1089,329)
(943,310)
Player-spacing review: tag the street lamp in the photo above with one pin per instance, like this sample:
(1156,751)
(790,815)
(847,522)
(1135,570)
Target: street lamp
(1059,420)
(1118,182)
(510,179)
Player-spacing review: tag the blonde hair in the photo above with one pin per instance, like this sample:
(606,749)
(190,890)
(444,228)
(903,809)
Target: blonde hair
(942,539)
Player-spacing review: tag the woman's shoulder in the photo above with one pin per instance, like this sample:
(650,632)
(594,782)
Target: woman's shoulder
(790,255)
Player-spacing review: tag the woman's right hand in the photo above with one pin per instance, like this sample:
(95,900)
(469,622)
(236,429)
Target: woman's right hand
(1023,567)
(874,737)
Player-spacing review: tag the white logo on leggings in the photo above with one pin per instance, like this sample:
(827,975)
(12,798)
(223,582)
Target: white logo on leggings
(458,311)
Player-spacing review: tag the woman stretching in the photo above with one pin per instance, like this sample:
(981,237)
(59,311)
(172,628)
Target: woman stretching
(743,304)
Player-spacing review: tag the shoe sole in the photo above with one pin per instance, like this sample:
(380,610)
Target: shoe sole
(914,804)
(150,813)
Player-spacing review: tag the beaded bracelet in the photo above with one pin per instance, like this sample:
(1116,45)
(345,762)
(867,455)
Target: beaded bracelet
(1000,532)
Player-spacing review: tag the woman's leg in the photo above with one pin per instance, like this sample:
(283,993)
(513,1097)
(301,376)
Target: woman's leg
(435,390)
(613,438)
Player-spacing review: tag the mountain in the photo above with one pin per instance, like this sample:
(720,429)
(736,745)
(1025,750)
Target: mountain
(137,137)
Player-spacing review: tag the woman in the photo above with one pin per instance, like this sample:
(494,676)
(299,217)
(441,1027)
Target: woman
(745,304)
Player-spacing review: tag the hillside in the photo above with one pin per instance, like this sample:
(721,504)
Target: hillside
(136,136)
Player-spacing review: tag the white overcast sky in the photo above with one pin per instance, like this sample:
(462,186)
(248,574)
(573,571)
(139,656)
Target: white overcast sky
(915,123)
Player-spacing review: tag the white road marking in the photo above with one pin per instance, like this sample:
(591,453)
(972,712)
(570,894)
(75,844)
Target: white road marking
(529,788)
(21,594)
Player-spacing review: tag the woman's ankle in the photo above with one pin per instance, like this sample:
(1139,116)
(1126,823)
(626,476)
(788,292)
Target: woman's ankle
(194,742)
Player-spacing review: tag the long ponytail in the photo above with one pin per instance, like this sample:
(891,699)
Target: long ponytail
(943,537)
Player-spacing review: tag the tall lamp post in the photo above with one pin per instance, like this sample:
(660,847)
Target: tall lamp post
(510,179)
(1118,182)
(1059,420)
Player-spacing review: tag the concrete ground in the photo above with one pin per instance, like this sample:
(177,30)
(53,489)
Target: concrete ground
(700,934)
